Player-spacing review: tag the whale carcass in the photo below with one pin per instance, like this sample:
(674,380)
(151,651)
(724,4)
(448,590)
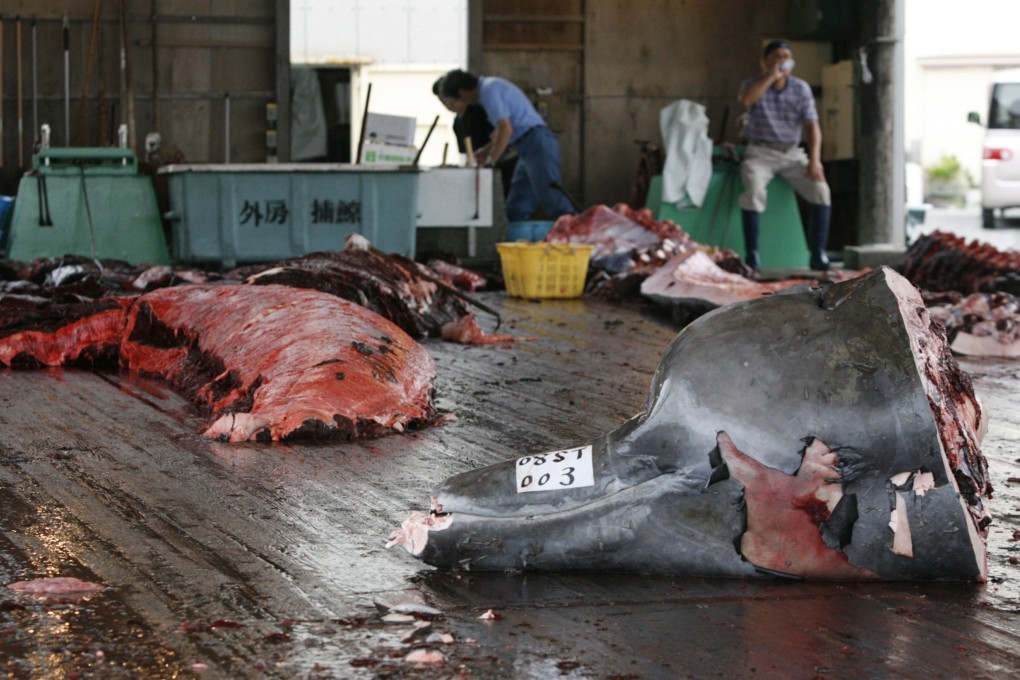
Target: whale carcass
(272,362)
(823,433)
(266,362)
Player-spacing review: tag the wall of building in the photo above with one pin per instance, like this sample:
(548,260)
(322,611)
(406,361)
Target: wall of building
(182,60)
(399,48)
(643,56)
(612,66)
(601,71)
(951,51)
(940,128)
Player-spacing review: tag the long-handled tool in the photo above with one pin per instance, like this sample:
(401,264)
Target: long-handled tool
(103,112)
(35,82)
(128,105)
(67,82)
(478,189)
(21,113)
(226,128)
(1,90)
(364,120)
(431,128)
(155,71)
(472,162)
(559,187)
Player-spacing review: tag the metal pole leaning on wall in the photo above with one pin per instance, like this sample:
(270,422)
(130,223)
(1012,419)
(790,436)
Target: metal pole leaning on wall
(226,126)
(35,84)
(1,90)
(364,119)
(129,87)
(67,82)
(417,156)
(155,71)
(21,114)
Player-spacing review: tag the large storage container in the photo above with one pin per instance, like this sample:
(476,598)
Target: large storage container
(230,214)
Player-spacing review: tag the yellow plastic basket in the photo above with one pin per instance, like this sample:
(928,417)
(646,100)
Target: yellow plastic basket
(544,270)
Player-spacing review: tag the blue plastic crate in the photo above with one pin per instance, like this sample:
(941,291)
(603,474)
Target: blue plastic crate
(231,214)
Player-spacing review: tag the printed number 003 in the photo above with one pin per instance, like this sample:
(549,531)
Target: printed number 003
(567,478)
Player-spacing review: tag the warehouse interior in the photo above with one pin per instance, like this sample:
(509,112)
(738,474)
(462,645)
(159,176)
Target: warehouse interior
(213,79)
(177,254)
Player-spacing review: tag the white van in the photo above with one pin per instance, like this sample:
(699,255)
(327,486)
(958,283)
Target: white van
(1000,165)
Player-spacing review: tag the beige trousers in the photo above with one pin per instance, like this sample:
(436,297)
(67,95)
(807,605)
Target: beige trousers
(761,164)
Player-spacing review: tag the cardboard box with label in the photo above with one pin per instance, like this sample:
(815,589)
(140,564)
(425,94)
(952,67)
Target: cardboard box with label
(378,153)
(399,130)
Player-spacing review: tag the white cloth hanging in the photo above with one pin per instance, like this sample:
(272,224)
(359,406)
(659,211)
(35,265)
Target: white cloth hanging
(688,167)
(307,116)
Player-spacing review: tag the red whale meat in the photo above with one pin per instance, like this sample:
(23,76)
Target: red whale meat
(943,262)
(268,362)
(273,361)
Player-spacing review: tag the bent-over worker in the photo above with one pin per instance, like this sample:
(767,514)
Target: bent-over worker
(516,123)
(473,123)
(781,108)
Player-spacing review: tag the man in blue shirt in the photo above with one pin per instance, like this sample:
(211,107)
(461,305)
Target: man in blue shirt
(781,107)
(515,122)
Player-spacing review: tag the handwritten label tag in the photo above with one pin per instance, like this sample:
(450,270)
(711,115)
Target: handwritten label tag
(567,469)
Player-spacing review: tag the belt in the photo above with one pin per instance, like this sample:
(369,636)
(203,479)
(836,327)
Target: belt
(526,133)
(775,146)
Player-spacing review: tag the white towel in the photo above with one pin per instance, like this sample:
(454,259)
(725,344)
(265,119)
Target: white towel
(307,116)
(688,167)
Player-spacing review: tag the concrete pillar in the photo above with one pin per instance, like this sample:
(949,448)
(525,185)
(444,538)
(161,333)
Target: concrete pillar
(881,218)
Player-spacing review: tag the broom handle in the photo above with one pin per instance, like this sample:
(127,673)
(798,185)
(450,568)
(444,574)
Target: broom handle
(1,90)
(21,113)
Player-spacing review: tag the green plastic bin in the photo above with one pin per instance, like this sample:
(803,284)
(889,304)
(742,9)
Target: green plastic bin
(781,243)
(90,202)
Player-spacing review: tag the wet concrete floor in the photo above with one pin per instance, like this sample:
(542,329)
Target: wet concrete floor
(251,560)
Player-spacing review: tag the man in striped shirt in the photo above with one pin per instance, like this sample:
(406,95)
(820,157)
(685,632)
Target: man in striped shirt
(781,108)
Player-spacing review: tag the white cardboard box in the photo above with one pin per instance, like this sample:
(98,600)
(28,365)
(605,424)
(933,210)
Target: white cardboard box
(381,127)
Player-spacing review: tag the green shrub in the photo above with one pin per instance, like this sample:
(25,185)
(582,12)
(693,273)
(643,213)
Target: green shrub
(946,170)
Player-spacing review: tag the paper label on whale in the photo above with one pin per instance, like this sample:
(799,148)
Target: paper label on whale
(566,469)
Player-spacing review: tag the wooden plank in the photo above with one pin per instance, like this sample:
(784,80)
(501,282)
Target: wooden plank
(534,18)
(534,47)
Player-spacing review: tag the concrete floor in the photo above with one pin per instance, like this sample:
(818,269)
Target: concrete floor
(229,561)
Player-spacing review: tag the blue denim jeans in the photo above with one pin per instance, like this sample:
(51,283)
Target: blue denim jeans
(538,164)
